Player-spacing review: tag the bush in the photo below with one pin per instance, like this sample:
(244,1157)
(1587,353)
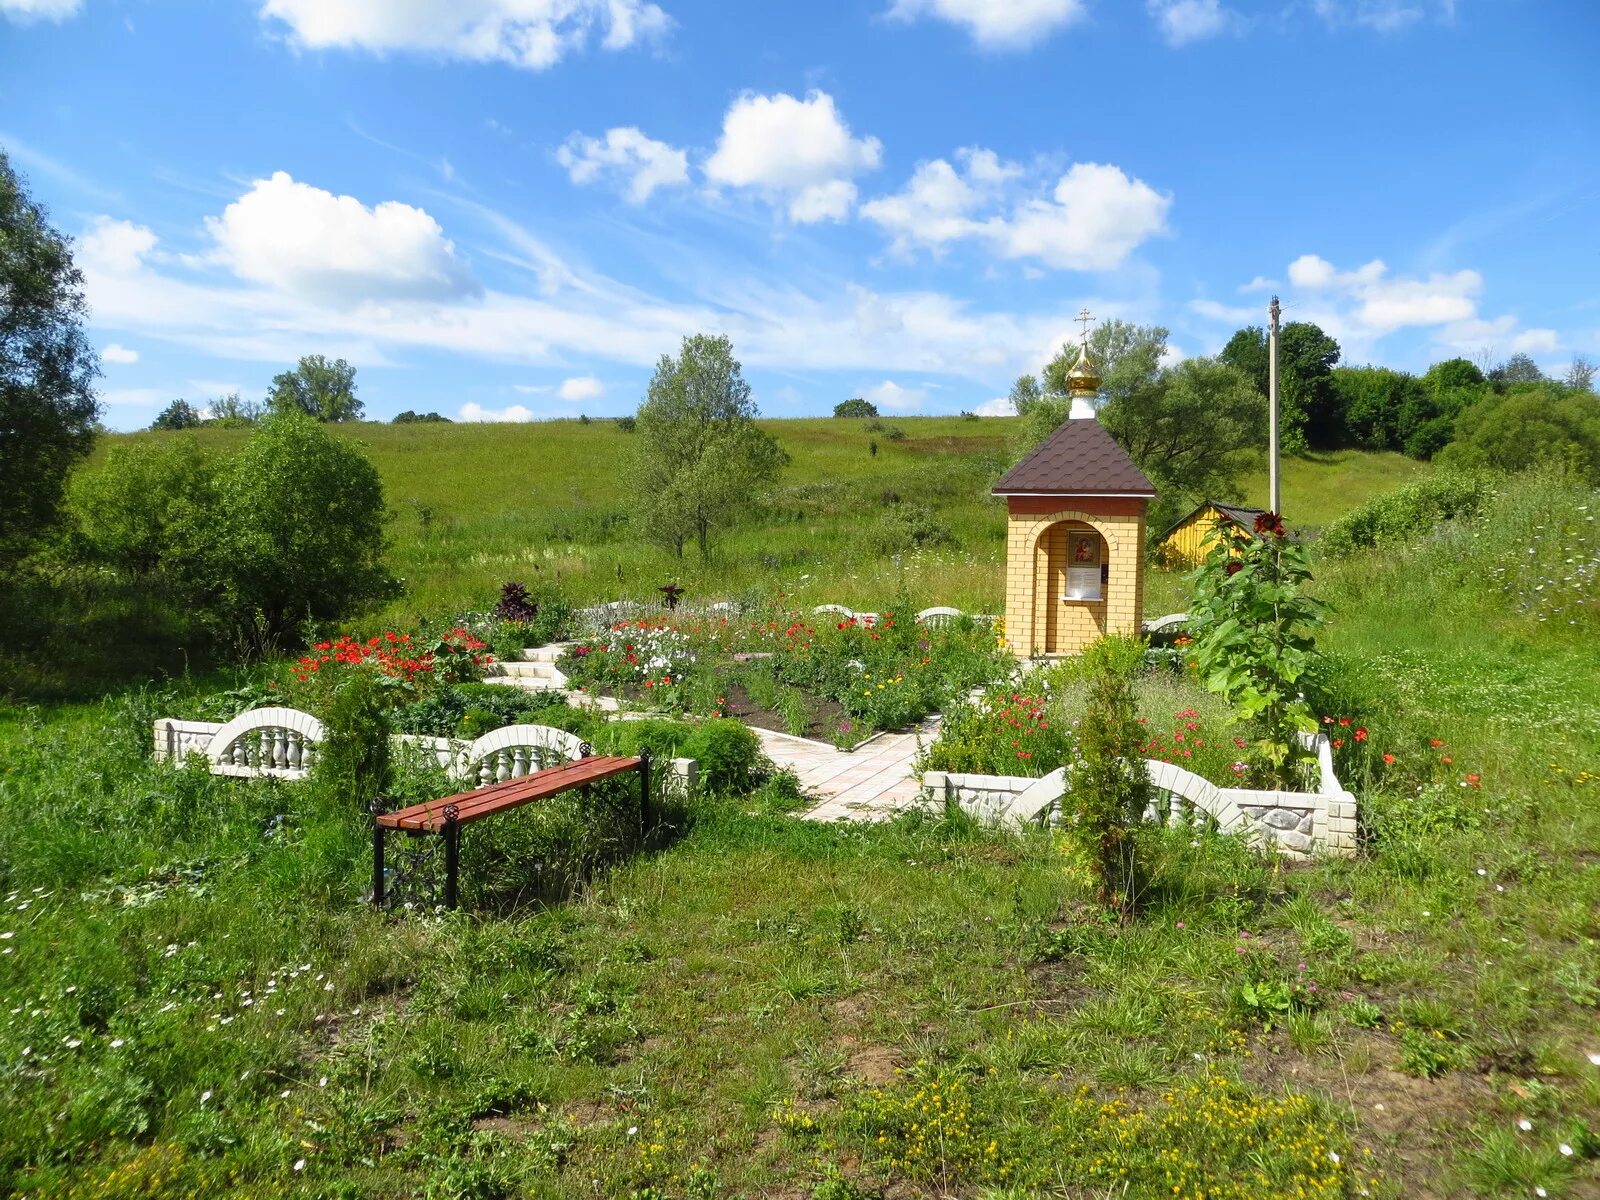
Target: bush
(297,535)
(1108,788)
(1409,512)
(1531,426)
(442,714)
(129,512)
(354,761)
(907,527)
(855,408)
(727,753)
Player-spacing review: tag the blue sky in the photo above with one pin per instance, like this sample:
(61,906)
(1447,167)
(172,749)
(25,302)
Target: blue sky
(511,208)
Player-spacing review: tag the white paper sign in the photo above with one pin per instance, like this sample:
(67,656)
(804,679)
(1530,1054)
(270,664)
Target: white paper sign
(1083,583)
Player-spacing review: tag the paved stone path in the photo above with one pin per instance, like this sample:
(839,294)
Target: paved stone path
(870,784)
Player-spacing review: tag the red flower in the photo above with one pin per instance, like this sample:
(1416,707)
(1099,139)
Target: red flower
(1436,742)
(1389,759)
(1338,743)
(1343,721)
(1361,733)
(1235,567)
(1475,780)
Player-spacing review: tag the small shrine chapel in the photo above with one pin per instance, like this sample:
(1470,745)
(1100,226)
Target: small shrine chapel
(1074,535)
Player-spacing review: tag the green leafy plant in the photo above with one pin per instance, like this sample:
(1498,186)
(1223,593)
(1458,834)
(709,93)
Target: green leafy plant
(1108,788)
(355,753)
(1252,622)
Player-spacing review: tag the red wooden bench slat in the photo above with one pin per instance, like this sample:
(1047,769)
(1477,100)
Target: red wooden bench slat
(513,793)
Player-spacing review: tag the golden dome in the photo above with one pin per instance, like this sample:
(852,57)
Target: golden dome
(1083,380)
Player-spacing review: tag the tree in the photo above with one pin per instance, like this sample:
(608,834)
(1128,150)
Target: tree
(1128,356)
(1529,425)
(1309,413)
(1519,368)
(296,534)
(415,418)
(1193,430)
(319,388)
(856,407)
(129,513)
(232,412)
(1580,374)
(1380,407)
(47,369)
(700,457)
(1025,395)
(180,414)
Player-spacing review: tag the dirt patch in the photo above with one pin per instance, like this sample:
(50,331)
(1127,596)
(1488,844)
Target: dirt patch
(823,717)
(516,1128)
(875,1066)
(1410,1124)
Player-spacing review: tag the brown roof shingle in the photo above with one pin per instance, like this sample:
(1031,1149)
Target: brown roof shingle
(1079,459)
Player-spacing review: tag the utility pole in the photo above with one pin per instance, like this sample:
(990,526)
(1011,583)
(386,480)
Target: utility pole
(1275,495)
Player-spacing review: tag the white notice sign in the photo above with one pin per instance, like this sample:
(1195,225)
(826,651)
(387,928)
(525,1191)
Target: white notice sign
(1083,583)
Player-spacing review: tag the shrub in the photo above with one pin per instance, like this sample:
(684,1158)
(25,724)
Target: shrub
(1409,512)
(1108,788)
(297,534)
(1530,426)
(128,512)
(907,527)
(727,753)
(354,761)
(855,408)
(627,424)
(515,603)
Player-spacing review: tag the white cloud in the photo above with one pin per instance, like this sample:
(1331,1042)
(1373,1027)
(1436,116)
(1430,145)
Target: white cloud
(795,152)
(476,412)
(1536,341)
(144,397)
(120,355)
(533,34)
(625,153)
(1000,406)
(583,387)
(24,11)
(1385,16)
(1094,218)
(1185,21)
(1384,303)
(892,396)
(117,247)
(997,24)
(1236,314)
(1259,284)
(304,240)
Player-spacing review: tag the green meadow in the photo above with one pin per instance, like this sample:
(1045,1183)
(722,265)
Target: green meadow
(196,1001)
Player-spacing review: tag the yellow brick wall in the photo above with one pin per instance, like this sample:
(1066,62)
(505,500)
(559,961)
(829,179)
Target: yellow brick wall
(1037,620)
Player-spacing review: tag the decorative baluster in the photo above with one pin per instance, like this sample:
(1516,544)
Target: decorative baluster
(294,750)
(308,751)
(519,762)
(276,755)
(502,767)
(485,773)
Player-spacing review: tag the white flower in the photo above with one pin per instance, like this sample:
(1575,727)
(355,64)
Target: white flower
(283,1095)
(300,1164)
(8,935)
(205,1095)
(1524,1124)
(1334,1155)
(1595,1059)
(323,1082)
(1565,1149)
(116,1043)
(632,1129)
(73,1043)
(1539,1191)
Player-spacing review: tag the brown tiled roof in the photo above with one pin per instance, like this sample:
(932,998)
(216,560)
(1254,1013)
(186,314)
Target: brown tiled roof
(1079,459)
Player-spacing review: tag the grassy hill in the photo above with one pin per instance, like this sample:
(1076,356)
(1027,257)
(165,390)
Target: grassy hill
(475,505)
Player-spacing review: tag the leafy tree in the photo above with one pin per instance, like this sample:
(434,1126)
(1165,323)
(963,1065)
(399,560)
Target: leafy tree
(1128,356)
(415,418)
(1380,406)
(232,412)
(1529,425)
(699,458)
(134,513)
(856,407)
(1192,427)
(47,369)
(1452,374)
(1309,413)
(1580,374)
(1519,368)
(180,414)
(296,535)
(1025,395)
(319,388)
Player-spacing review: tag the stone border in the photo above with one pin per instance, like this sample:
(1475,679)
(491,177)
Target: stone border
(1298,825)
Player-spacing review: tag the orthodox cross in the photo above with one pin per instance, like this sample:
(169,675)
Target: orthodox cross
(1083,318)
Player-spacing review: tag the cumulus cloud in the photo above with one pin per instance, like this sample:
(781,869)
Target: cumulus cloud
(116,247)
(1259,284)
(1224,312)
(1091,221)
(1185,21)
(301,239)
(476,412)
(532,34)
(1383,303)
(120,355)
(24,11)
(892,396)
(1536,341)
(997,24)
(1000,406)
(798,153)
(1384,16)
(583,387)
(625,155)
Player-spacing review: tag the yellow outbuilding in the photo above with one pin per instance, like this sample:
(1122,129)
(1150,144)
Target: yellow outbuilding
(1184,545)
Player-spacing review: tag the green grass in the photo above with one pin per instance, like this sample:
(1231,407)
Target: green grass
(759,1006)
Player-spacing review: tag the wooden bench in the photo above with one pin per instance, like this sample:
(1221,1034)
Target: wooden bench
(446,817)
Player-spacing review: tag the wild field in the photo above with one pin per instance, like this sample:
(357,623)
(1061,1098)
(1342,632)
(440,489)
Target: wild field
(196,1001)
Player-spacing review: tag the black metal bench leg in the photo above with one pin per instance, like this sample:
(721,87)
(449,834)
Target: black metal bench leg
(377,862)
(452,854)
(644,791)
